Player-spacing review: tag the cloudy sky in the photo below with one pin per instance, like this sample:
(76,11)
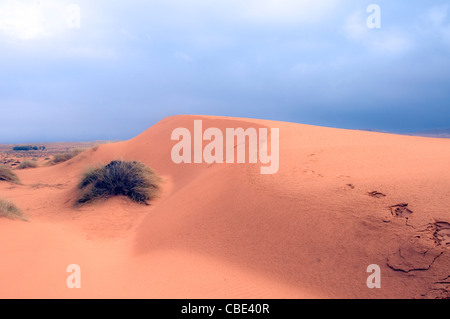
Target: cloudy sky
(81,70)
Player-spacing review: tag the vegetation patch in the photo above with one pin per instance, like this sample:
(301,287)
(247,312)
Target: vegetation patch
(9,210)
(60,158)
(7,175)
(27,164)
(28,148)
(119,178)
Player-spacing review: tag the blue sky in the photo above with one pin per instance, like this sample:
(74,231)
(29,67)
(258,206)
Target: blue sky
(132,63)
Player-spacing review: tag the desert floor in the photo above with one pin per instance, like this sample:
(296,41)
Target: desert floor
(341,201)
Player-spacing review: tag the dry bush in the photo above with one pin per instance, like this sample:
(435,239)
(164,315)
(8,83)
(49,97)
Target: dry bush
(132,179)
(27,164)
(7,175)
(60,158)
(9,210)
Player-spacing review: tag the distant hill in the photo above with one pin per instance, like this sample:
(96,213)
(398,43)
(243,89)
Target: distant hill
(444,133)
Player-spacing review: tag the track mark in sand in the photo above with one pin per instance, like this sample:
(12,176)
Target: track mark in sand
(445,280)
(376,194)
(38,186)
(401,210)
(440,290)
(442,233)
(416,254)
(310,162)
(421,251)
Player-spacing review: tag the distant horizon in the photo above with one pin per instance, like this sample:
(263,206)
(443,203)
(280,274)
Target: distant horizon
(437,133)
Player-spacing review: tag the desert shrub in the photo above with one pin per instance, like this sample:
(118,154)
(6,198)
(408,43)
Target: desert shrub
(7,175)
(23,148)
(27,164)
(128,178)
(60,158)
(28,148)
(9,210)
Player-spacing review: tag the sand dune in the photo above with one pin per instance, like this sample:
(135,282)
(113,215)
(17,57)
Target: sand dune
(341,200)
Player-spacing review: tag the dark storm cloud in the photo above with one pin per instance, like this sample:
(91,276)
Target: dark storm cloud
(130,64)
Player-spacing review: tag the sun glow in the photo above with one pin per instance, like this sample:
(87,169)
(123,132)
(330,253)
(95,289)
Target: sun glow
(27,20)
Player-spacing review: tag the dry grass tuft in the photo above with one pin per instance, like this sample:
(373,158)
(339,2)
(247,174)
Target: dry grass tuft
(7,175)
(132,179)
(9,210)
(27,164)
(60,158)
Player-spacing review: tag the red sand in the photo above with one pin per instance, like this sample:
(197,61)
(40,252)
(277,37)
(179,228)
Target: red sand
(226,231)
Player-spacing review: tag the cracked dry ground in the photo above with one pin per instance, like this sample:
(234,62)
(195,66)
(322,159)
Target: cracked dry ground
(426,250)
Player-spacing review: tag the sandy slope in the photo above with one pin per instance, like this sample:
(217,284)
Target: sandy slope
(225,230)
